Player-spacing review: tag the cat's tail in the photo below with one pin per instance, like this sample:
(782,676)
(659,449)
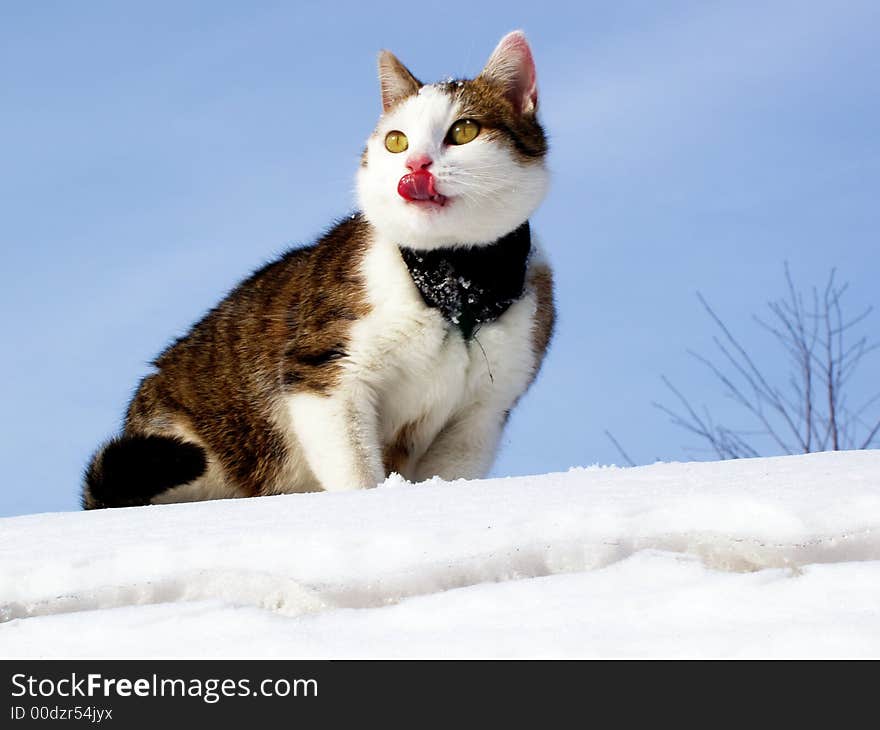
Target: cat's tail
(132,469)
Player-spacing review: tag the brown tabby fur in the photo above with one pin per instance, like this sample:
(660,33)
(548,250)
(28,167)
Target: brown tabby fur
(284,329)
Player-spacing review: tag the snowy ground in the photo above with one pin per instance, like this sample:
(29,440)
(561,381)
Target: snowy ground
(763,557)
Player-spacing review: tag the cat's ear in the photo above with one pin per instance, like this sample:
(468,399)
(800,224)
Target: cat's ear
(511,65)
(396,80)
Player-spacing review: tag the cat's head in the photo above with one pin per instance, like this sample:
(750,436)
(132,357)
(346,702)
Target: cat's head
(460,162)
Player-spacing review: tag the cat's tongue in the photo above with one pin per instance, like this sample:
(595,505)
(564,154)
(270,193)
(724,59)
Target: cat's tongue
(419,185)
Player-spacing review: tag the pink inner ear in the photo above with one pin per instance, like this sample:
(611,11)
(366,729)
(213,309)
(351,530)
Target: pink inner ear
(513,65)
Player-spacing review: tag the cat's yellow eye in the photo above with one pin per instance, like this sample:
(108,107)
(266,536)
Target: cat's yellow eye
(463,131)
(396,141)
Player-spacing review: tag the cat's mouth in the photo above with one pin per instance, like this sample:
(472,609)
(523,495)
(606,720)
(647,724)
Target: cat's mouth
(418,187)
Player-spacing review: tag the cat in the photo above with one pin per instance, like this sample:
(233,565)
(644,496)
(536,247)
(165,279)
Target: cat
(399,342)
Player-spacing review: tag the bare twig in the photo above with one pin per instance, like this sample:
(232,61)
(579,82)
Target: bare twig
(811,413)
(623,453)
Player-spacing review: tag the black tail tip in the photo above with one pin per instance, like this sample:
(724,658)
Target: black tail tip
(131,469)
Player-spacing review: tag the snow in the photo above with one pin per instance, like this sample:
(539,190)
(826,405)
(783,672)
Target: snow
(758,558)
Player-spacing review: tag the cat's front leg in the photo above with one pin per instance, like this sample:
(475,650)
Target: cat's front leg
(466,447)
(339,439)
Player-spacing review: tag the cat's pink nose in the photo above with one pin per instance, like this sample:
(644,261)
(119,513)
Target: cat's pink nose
(418,162)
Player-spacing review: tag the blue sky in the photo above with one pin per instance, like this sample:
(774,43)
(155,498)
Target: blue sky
(155,153)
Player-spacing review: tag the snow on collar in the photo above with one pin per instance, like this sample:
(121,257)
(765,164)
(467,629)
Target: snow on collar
(472,286)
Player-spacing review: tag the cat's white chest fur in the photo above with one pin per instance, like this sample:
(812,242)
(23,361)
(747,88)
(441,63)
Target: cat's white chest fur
(425,375)
(434,399)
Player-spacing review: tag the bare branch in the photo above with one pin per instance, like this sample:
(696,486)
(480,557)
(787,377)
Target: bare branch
(871,436)
(752,406)
(811,411)
(623,453)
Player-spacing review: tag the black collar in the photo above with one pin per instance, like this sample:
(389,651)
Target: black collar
(472,286)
